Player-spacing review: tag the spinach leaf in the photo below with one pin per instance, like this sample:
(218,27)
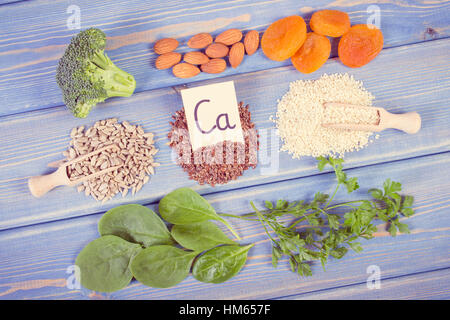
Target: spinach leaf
(220,264)
(184,206)
(104,263)
(162,266)
(199,236)
(135,223)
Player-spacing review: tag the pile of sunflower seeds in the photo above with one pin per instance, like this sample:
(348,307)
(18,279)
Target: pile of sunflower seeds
(134,155)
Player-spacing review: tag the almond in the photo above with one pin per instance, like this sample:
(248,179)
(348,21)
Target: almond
(196,57)
(214,66)
(185,70)
(200,41)
(217,50)
(229,37)
(165,45)
(236,54)
(167,60)
(251,42)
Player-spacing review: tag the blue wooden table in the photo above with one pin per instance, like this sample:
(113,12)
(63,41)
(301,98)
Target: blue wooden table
(40,238)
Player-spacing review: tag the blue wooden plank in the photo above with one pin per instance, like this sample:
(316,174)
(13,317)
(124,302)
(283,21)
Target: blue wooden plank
(34,260)
(34,36)
(2,2)
(423,286)
(30,141)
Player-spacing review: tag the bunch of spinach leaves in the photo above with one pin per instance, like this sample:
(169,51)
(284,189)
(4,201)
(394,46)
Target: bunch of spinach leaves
(135,242)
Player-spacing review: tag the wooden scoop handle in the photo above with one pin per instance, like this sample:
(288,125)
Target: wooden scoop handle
(40,185)
(409,122)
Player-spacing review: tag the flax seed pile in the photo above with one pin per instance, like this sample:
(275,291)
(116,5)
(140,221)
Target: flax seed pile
(134,155)
(220,163)
(300,114)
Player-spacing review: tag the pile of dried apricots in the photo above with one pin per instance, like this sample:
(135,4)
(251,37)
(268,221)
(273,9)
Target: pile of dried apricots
(288,38)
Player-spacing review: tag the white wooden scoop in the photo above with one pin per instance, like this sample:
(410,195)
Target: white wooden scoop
(40,185)
(409,122)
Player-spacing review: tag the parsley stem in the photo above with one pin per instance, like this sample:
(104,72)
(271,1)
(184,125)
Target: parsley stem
(295,223)
(332,197)
(262,220)
(243,217)
(345,204)
(323,211)
(230,228)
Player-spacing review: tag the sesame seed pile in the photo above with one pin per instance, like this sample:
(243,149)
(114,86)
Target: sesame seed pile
(352,115)
(300,114)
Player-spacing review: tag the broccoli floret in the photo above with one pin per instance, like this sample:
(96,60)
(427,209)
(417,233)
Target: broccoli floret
(87,76)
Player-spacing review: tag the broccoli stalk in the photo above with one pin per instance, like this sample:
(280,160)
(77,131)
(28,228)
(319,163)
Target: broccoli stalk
(117,82)
(87,76)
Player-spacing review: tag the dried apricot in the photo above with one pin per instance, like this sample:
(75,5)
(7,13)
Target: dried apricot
(283,38)
(360,45)
(312,54)
(332,23)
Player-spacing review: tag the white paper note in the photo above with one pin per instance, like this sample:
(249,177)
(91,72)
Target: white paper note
(212,114)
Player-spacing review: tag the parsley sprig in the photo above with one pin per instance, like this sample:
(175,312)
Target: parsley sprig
(329,231)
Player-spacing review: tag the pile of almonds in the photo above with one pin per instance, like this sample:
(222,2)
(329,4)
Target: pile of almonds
(210,57)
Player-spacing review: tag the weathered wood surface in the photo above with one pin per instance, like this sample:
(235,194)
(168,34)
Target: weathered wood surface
(10,1)
(40,238)
(398,85)
(34,259)
(35,34)
(421,286)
